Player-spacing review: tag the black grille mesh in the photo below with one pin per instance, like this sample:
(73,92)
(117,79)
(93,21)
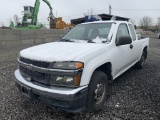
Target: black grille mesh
(35,63)
(37,76)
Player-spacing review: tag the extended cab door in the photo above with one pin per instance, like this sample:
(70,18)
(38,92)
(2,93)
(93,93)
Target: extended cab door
(136,44)
(123,52)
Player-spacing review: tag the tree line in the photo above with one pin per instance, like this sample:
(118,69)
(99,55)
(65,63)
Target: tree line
(146,23)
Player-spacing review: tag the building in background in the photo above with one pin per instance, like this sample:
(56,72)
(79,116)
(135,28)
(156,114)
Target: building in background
(103,17)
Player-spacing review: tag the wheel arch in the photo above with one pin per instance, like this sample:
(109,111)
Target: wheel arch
(145,51)
(107,69)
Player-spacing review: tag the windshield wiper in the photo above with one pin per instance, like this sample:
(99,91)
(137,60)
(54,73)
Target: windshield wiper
(66,40)
(89,40)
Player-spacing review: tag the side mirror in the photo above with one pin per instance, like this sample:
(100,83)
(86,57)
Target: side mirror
(123,40)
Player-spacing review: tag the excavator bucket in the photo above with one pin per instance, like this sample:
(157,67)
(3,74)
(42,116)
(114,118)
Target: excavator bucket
(52,23)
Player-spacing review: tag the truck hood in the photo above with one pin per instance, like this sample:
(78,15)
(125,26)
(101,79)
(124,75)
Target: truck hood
(58,51)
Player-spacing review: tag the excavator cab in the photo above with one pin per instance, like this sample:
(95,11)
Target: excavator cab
(28,14)
(28,10)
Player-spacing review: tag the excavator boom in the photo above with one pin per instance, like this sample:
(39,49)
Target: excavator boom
(35,13)
(36,10)
(48,3)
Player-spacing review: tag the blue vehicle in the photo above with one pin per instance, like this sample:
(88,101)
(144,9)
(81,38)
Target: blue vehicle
(92,18)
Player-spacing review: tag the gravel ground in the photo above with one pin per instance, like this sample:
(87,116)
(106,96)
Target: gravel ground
(135,94)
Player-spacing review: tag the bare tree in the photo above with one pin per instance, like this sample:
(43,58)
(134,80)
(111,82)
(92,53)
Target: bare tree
(2,24)
(16,19)
(146,22)
(9,20)
(158,23)
(132,21)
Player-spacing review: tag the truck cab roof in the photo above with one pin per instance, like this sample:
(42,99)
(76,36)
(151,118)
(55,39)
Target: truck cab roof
(110,21)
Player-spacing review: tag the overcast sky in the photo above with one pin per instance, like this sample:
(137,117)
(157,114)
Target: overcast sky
(69,9)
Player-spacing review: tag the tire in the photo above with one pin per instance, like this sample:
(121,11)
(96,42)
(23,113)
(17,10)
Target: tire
(159,37)
(140,63)
(97,91)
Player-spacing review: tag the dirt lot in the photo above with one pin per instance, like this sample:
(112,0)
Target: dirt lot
(136,93)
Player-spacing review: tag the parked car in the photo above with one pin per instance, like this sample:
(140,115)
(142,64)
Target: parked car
(75,73)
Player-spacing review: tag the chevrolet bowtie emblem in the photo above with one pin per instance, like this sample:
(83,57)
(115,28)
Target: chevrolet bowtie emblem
(30,66)
(29,79)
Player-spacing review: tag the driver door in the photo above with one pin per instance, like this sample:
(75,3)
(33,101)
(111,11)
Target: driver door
(123,52)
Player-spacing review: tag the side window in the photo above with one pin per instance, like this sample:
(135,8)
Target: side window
(132,32)
(122,30)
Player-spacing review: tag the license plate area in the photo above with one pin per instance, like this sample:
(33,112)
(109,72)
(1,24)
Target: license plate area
(25,91)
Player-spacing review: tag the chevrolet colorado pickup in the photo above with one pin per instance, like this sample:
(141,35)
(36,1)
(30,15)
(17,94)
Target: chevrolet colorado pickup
(75,72)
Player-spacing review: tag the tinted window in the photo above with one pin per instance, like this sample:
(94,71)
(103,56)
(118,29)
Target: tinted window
(102,32)
(25,8)
(132,32)
(122,30)
(89,31)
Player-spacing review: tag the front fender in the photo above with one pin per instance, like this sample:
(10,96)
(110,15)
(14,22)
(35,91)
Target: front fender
(93,64)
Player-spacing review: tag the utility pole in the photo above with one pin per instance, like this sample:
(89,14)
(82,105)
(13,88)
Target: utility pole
(110,9)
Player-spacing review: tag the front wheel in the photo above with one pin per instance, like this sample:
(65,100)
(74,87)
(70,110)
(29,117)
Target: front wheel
(97,92)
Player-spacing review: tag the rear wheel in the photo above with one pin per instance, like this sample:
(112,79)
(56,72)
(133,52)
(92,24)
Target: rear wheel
(159,36)
(97,92)
(140,63)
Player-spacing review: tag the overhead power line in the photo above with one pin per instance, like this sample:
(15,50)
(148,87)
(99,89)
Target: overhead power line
(113,9)
(118,9)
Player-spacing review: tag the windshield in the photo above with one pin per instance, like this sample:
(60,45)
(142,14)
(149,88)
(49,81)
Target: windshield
(95,33)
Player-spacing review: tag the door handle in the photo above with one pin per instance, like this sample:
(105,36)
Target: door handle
(131,46)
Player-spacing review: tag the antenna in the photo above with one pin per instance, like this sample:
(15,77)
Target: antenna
(110,10)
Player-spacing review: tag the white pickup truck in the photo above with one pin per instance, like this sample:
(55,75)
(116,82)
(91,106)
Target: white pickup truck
(74,73)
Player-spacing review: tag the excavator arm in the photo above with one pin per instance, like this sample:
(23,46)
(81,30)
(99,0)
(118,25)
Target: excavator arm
(48,3)
(51,16)
(36,10)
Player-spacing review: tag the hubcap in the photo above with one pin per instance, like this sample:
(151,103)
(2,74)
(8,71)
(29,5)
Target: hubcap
(99,92)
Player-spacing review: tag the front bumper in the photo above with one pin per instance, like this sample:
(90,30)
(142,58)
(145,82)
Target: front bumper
(69,99)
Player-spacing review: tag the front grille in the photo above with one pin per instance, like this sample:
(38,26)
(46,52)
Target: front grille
(34,75)
(35,63)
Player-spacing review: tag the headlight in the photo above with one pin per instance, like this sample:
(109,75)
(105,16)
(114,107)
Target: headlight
(70,81)
(68,65)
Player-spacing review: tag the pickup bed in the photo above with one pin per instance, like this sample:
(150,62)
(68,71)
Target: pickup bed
(76,72)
